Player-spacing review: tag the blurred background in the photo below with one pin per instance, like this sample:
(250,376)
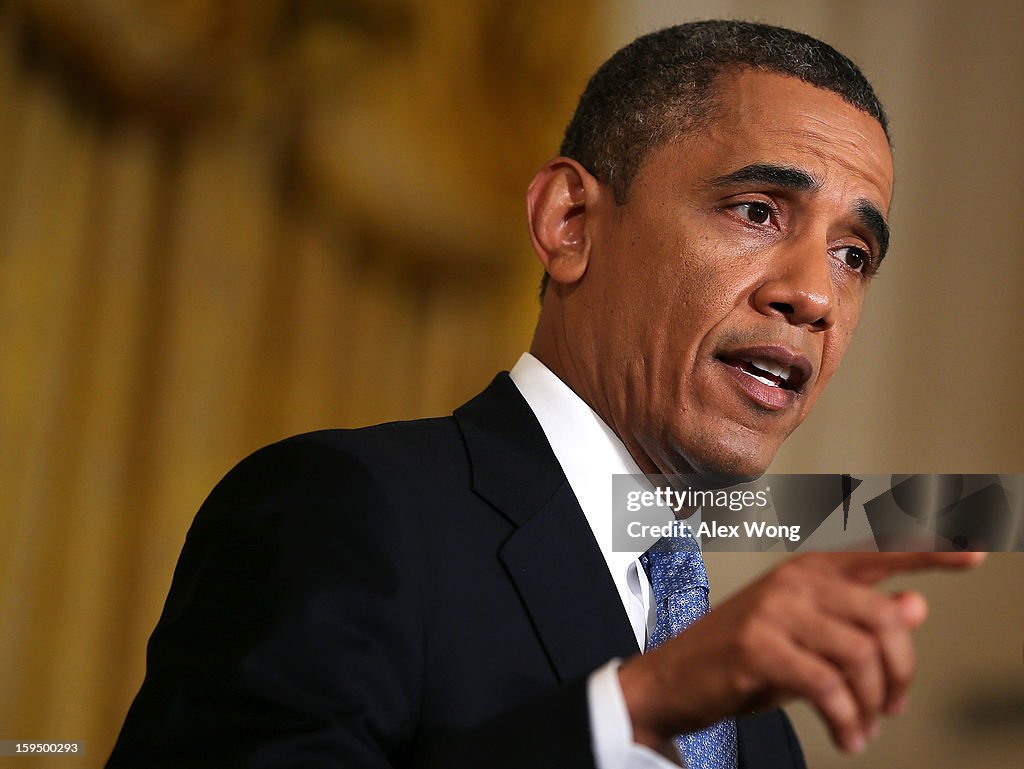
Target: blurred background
(225,222)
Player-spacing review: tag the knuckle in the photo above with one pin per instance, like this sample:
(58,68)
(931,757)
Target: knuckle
(827,686)
(903,679)
(770,606)
(812,562)
(791,573)
(863,652)
(745,683)
(788,582)
(837,706)
(902,672)
(749,641)
(888,615)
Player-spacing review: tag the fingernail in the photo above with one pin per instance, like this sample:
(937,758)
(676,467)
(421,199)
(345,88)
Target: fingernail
(856,744)
(874,730)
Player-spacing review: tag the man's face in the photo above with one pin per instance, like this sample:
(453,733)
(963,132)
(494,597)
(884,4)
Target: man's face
(721,296)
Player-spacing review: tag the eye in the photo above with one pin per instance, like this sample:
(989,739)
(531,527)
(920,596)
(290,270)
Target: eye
(755,213)
(854,258)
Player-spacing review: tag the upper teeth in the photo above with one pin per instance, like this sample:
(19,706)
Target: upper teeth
(783,372)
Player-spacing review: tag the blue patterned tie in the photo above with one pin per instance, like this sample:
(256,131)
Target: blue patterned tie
(680,586)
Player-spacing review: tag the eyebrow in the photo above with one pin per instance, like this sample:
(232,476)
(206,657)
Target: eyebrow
(768,173)
(798,180)
(873,220)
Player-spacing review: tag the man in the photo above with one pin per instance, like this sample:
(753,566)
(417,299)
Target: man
(444,592)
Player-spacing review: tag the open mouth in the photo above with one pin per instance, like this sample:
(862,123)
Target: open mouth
(774,367)
(765,371)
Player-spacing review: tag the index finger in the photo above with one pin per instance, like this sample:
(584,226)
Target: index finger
(869,568)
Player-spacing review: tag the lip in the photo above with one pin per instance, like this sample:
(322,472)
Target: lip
(767,396)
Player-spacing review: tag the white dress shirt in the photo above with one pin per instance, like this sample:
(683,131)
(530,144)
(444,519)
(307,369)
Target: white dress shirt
(590,454)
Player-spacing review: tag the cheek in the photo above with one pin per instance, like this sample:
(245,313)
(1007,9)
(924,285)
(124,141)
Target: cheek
(837,343)
(709,280)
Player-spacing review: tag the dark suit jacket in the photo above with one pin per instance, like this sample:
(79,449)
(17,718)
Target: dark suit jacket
(423,593)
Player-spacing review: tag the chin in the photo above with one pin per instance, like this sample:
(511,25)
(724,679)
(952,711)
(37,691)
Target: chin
(721,477)
(728,465)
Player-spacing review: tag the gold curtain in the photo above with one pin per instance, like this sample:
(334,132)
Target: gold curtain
(222,223)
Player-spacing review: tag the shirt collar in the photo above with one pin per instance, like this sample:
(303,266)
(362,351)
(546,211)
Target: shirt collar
(588,451)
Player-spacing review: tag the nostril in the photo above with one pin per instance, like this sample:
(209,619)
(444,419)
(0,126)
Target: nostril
(788,311)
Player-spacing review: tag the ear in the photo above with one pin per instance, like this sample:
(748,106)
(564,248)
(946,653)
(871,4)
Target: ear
(559,200)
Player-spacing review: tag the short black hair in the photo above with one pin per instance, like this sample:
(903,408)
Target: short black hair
(663,85)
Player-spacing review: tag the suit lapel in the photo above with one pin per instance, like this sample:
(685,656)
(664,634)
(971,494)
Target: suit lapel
(556,565)
(552,556)
(563,579)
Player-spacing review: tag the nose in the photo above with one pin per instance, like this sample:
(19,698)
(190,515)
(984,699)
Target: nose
(799,287)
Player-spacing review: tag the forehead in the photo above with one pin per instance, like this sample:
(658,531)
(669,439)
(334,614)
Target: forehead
(765,117)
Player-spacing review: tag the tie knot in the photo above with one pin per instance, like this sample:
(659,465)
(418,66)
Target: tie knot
(674,564)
